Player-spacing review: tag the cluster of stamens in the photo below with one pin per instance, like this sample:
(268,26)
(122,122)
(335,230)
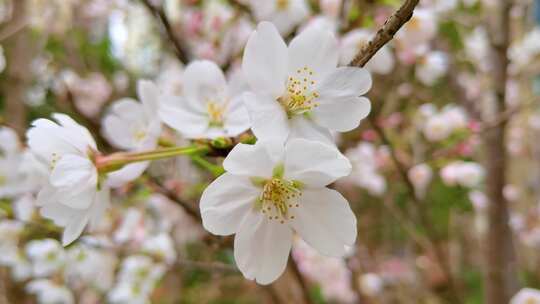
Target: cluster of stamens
(54,159)
(215,113)
(278,198)
(282,4)
(300,96)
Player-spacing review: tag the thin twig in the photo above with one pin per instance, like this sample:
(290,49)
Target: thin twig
(385,33)
(180,49)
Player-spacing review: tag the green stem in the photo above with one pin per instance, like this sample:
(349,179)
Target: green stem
(116,161)
(203,163)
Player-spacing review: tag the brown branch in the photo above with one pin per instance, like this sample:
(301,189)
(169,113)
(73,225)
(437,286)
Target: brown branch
(180,49)
(385,33)
(498,255)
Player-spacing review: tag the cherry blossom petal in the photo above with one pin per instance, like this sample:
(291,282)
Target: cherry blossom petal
(149,94)
(254,160)
(268,119)
(72,171)
(265,60)
(304,127)
(126,174)
(225,202)
(237,119)
(175,113)
(342,115)
(316,49)
(203,82)
(325,221)
(313,163)
(261,248)
(343,82)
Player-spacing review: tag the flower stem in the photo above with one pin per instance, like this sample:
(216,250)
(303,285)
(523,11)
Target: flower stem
(118,160)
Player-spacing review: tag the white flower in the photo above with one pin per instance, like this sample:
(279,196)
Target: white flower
(526,296)
(136,281)
(161,246)
(72,196)
(420,176)
(209,108)
(268,191)
(91,266)
(431,67)
(285,14)
(351,43)
(437,128)
(371,284)
(298,91)
(48,292)
(466,174)
(364,169)
(129,227)
(12,180)
(47,256)
(133,126)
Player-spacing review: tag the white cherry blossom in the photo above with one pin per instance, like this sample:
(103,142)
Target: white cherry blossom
(298,91)
(209,108)
(73,195)
(526,296)
(48,292)
(133,126)
(285,14)
(47,256)
(271,190)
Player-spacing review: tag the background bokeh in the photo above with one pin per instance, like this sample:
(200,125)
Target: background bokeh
(422,160)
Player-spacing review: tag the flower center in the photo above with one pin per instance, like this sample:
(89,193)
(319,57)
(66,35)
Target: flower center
(54,159)
(277,198)
(300,96)
(215,113)
(282,5)
(139,135)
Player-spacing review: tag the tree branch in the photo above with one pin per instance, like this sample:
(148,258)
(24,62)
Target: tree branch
(499,257)
(385,33)
(180,49)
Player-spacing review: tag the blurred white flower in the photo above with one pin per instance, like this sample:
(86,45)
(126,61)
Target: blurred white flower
(136,281)
(477,48)
(432,67)
(298,91)
(371,284)
(72,197)
(47,256)
(523,51)
(133,126)
(526,296)
(130,227)
(437,128)
(161,246)
(364,169)
(284,14)
(352,42)
(420,175)
(91,266)
(466,174)
(13,181)
(331,274)
(209,108)
(90,93)
(269,191)
(48,292)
